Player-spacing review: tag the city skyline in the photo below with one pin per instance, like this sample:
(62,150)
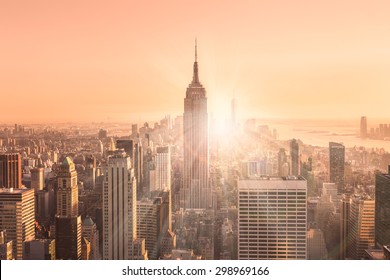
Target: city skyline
(126,61)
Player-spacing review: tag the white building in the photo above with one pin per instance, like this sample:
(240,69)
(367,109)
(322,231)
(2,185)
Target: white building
(272,218)
(163,169)
(119,209)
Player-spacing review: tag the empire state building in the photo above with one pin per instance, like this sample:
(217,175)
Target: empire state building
(196,192)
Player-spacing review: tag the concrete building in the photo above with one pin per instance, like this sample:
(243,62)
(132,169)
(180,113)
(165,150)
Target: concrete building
(90,232)
(10,170)
(39,249)
(163,169)
(17,217)
(316,247)
(68,221)
(5,247)
(362,226)
(294,154)
(272,218)
(382,209)
(119,208)
(196,192)
(336,165)
(37,179)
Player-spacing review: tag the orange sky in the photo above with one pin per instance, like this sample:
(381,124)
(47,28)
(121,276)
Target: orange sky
(132,60)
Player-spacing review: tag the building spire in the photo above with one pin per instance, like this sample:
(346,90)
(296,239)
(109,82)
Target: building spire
(195,78)
(196,50)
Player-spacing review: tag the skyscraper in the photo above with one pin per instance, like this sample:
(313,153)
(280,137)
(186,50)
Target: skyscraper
(68,222)
(37,179)
(272,218)
(196,189)
(336,165)
(382,209)
(10,170)
(362,228)
(119,209)
(294,153)
(17,217)
(163,169)
(67,191)
(363,127)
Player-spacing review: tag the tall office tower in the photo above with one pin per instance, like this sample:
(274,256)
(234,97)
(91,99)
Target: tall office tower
(283,167)
(138,166)
(147,225)
(39,249)
(68,237)
(345,233)
(17,217)
(90,172)
(5,247)
(89,231)
(165,210)
(196,188)
(294,153)
(316,247)
(154,220)
(362,226)
(119,208)
(363,127)
(336,165)
(68,221)
(67,191)
(272,218)
(163,169)
(37,179)
(382,209)
(10,171)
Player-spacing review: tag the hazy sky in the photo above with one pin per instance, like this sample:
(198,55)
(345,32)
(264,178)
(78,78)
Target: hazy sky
(131,60)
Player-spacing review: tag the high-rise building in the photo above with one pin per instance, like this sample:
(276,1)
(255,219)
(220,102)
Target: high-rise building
(67,191)
(272,218)
(147,225)
(119,208)
(89,231)
(294,153)
(382,209)
(316,247)
(17,217)
(10,170)
(345,234)
(39,249)
(68,221)
(283,166)
(163,169)
(196,191)
(5,247)
(362,226)
(363,127)
(336,165)
(68,237)
(37,178)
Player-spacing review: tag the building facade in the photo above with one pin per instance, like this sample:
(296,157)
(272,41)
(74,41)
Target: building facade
(272,218)
(196,192)
(119,208)
(17,217)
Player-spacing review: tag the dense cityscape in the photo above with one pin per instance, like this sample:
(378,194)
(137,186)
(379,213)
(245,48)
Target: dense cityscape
(185,188)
